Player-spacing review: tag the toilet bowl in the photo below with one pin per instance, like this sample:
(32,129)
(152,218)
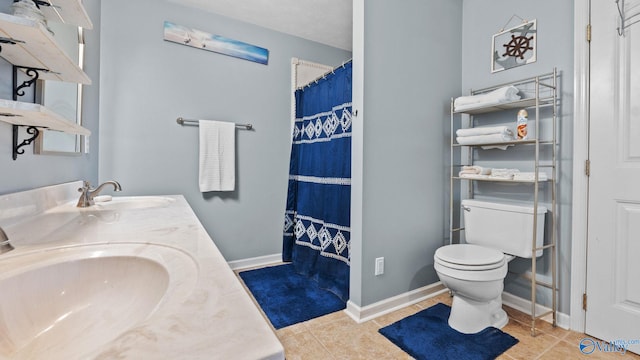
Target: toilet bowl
(495,233)
(475,275)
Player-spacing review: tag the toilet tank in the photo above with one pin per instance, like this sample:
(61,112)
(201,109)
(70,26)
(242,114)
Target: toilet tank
(506,227)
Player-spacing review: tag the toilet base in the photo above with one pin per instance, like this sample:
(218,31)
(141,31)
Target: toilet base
(470,317)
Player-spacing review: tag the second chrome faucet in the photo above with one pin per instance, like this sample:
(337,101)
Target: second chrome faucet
(87,193)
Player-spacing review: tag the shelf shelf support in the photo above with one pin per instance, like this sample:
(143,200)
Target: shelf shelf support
(9,41)
(18,148)
(33,73)
(39,3)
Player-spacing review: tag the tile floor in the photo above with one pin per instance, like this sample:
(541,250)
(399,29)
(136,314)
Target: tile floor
(337,336)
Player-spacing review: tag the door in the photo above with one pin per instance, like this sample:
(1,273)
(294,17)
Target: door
(613,256)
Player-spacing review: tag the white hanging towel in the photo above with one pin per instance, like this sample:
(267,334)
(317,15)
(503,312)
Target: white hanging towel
(217,156)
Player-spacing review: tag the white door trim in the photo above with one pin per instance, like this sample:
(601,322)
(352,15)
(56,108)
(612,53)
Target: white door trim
(580,155)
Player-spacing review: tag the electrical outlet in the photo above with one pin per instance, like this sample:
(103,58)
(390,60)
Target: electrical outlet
(379,266)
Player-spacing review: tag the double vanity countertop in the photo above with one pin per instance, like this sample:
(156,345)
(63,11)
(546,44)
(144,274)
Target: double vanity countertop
(148,283)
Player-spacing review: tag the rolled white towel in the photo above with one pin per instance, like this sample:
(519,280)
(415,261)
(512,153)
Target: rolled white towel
(488,130)
(503,94)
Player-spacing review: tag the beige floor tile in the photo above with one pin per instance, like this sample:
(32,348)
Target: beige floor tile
(346,339)
(528,347)
(574,337)
(425,304)
(541,325)
(335,316)
(516,314)
(293,329)
(303,346)
(444,298)
(397,315)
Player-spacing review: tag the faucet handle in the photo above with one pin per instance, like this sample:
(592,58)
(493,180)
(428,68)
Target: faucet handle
(5,245)
(85,186)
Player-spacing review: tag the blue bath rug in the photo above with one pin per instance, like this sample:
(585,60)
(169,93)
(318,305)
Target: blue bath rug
(427,335)
(287,297)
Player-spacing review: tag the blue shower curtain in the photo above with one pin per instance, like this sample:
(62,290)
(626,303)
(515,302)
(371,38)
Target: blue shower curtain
(317,219)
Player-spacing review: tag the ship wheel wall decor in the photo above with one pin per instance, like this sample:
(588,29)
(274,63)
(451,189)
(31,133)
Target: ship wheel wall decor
(514,47)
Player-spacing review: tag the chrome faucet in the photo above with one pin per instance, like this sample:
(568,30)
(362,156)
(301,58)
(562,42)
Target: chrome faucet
(86,198)
(5,245)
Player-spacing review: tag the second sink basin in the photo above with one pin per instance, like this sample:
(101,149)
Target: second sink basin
(70,301)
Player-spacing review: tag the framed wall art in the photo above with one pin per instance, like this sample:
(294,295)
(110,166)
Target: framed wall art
(514,47)
(215,43)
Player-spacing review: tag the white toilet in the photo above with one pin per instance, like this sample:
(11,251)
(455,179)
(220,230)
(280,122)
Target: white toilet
(474,272)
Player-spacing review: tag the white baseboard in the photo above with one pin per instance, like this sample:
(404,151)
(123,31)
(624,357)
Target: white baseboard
(255,262)
(524,305)
(366,313)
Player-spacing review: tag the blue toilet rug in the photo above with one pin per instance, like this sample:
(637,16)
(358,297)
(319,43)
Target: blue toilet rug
(427,335)
(287,297)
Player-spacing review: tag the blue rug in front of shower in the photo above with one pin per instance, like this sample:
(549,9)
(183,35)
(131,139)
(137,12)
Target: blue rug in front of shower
(287,297)
(427,335)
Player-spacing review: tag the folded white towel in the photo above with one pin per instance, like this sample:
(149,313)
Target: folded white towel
(529,176)
(475,170)
(217,156)
(474,176)
(503,94)
(484,139)
(507,174)
(489,130)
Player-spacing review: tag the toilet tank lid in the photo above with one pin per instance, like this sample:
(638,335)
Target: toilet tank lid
(504,206)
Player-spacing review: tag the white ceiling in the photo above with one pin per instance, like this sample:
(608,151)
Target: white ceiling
(325,21)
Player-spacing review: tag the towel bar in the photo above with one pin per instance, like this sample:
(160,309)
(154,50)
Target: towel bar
(183,121)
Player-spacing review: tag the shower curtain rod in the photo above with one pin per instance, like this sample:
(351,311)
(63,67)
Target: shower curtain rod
(183,121)
(324,76)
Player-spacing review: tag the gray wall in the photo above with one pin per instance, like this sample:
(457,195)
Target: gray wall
(555,49)
(31,171)
(147,83)
(412,61)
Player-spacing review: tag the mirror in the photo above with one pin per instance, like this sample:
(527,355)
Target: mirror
(63,98)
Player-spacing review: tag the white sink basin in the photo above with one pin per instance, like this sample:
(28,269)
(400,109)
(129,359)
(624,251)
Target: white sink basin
(132,202)
(67,302)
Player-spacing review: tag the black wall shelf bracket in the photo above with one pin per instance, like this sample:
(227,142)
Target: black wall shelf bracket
(10,41)
(18,148)
(39,3)
(33,73)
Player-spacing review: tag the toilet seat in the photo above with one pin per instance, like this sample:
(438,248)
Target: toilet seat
(470,257)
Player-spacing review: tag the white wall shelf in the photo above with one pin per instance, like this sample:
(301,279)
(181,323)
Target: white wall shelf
(28,114)
(36,48)
(29,46)
(67,12)
(497,180)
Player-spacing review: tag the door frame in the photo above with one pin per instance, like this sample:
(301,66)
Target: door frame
(580,191)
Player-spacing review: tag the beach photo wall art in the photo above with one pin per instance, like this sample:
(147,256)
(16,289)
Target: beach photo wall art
(215,43)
